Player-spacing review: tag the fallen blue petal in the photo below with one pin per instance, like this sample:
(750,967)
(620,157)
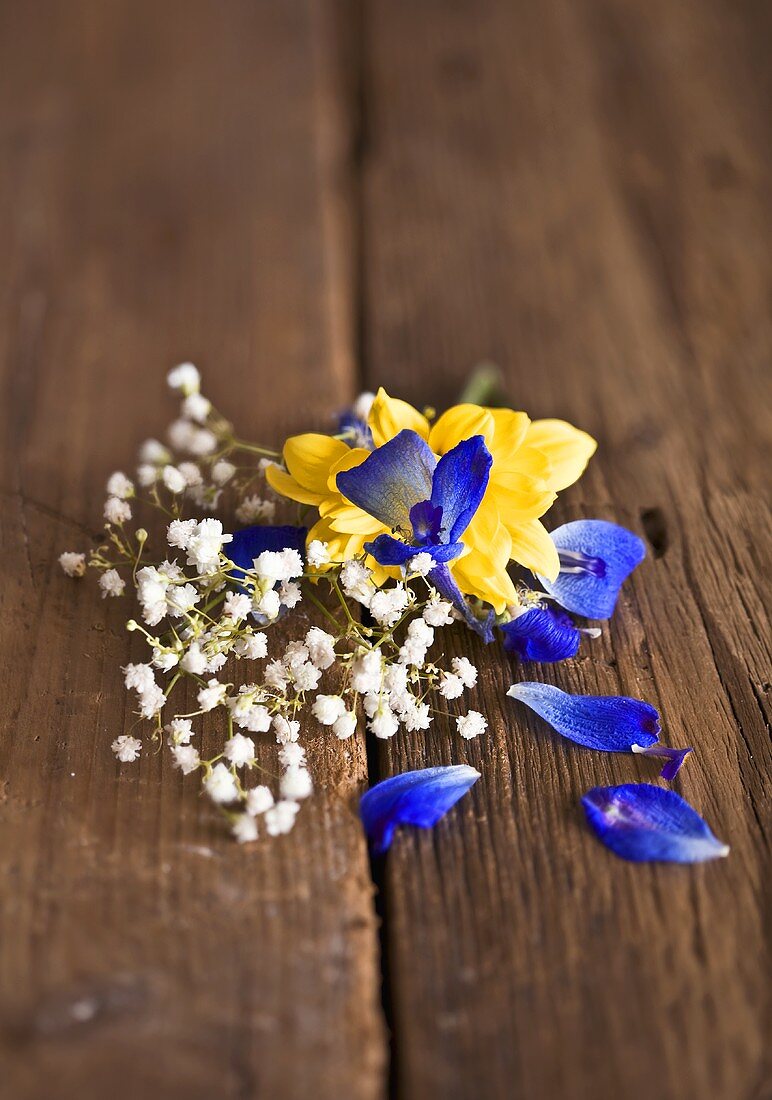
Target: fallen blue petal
(596,558)
(391,480)
(612,723)
(640,822)
(250,542)
(414,798)
(541,634)
(673,758)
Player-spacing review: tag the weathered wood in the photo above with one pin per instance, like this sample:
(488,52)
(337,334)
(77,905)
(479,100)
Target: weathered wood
(576,191)
(168,191)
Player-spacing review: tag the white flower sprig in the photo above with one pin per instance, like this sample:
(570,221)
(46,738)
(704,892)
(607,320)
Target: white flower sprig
(208,622)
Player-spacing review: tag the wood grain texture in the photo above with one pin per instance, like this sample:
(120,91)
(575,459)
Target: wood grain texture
(301,197)
(578,192)
(166,193)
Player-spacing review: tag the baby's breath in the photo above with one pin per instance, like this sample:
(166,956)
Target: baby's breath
(209,624)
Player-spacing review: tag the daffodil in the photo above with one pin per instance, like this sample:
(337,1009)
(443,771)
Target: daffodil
(532,460)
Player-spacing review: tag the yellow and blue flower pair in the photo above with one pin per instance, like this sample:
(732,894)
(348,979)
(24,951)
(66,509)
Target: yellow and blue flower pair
(530,461)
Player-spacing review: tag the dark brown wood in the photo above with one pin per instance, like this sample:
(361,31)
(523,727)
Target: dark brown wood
(166,192)
(302,198)
(577,192)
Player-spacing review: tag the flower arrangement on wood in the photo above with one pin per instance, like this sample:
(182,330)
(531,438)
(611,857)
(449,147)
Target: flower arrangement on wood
(406,523)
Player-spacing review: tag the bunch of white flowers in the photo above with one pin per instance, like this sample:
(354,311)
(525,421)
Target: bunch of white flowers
(207,623)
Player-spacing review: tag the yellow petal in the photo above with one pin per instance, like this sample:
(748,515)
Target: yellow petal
(354,456)
(389,416)
(526,460)
(341,547)
(477,575)
(568,449)
(533,548)
(518,497)
(460,422)
(309,458)
(487,533)
(286,485)
(510,432)
(348,519)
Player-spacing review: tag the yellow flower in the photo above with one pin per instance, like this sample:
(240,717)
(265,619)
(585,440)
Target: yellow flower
(532,462)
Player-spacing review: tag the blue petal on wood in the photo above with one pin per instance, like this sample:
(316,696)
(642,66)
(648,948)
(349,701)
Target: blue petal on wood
(673,758)
(611,723)
(640,822)
(596,558)
(541,634)
(413,798)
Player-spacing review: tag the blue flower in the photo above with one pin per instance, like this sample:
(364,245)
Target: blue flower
(640,822)
(612,723)
(414,798)
(250,542)
(541,633)
(596,557)
(429,503)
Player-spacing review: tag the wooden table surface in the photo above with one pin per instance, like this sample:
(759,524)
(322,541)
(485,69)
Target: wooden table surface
(308,199)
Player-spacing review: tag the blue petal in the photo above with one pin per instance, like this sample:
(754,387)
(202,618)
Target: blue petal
(459,485)
(443,581)
(390,551)
(391,480)
(250,542)
(426,521)
(541,634)
(595,558)
(413,798)
(673,758)
(612,723)
(640,822)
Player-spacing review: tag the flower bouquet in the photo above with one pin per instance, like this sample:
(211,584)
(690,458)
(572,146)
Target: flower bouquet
(404,523)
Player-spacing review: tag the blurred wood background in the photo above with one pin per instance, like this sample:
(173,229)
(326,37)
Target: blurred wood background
(308,199)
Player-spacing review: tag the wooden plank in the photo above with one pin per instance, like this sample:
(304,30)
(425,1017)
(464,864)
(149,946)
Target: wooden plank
(575,191)
(167,193)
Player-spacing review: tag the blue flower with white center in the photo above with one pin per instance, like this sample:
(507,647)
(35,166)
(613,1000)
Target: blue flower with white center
(429,503)
(596,557)
(541,633)
(640,822)
(612,723)
(413,798)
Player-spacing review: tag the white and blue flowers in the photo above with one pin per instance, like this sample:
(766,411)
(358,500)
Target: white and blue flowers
(415,522)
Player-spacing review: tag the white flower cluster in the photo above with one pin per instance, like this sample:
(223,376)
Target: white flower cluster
(199,613)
